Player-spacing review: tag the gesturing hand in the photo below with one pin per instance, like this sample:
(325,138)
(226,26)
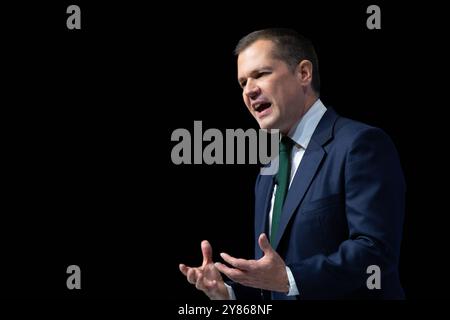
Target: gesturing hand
(267,273)
(206,277)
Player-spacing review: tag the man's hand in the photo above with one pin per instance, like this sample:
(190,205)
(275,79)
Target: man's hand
(267,273)
(206,277)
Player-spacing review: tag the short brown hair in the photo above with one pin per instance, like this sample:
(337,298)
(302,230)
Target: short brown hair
(290,47)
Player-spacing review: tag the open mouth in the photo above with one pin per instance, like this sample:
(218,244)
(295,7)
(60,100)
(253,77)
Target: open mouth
(263,106)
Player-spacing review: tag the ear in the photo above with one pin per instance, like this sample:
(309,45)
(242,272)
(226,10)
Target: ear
(304,72)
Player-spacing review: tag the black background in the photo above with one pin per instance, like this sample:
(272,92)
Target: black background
(88,115)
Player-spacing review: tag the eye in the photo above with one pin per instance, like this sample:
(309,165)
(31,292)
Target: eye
(243,83)
(260,74)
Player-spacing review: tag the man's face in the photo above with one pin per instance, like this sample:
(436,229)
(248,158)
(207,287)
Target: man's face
(272,92)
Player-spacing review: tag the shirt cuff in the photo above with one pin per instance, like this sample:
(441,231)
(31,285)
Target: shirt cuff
(230,292)
(293,290)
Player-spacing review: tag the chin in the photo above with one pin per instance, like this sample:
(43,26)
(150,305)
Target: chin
(267,124)
(263,125)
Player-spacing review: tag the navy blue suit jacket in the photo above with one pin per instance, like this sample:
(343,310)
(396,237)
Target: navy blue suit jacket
(343,212)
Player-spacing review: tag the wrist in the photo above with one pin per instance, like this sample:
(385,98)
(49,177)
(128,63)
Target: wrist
(220,293)
(285,286)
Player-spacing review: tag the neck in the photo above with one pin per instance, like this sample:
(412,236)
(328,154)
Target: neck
(309,101)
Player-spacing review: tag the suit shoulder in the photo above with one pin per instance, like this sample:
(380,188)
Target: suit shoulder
(359,138)
(351,131)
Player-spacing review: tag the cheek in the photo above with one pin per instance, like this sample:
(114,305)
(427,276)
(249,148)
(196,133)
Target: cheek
(246,102)
(286,97)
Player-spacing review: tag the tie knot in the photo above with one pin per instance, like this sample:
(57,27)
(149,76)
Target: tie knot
(286,144)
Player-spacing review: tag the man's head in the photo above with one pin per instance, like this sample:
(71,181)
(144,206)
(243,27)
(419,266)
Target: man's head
(278,72)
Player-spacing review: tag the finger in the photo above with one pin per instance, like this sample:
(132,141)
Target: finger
(237,263)
(234,274)
(264,244)
(211,272)
(200,282)
(206,285)
(211,285)
(192,275)
(206,252)
(183,268)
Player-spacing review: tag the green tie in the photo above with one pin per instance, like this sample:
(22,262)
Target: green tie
(284,172)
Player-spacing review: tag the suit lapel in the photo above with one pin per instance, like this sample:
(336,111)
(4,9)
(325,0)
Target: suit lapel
(303,178)
(313,157)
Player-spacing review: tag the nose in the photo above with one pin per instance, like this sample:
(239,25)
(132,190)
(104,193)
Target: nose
(251,90)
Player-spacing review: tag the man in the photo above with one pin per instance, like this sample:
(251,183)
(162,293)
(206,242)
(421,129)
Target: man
(339,210)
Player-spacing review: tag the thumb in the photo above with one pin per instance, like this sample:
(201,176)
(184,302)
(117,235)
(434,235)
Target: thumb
(206,252)
(264,244)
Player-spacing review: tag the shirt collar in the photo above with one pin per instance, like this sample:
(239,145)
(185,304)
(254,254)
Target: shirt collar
(302,132)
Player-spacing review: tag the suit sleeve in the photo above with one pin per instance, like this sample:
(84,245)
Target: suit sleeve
(374,209)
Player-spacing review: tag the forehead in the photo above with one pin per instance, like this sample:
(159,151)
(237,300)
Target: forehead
(258,55)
